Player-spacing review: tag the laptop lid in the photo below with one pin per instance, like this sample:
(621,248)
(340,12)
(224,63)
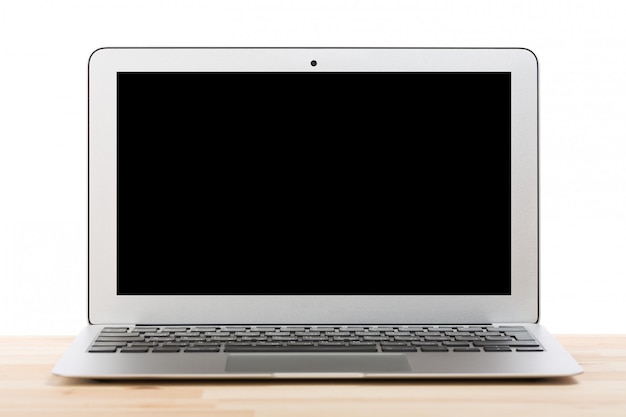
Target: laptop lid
(312,185)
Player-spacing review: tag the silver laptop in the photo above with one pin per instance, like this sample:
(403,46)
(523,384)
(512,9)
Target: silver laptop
(313,213)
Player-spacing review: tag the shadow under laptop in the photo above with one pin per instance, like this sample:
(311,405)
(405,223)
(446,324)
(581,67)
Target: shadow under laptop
(158,383)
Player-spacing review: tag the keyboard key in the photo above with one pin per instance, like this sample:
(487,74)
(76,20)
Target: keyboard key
(218,333)
(323,329)
(482,343)
(367,333)
(120,339)
(456,334)
(436,338)
(284,338)
(222,338)
(360,343)
(484,334)
(375,338)
(435,334)
(145,329)
(511,328)
(466,349)
(114,329)
(425,343)
(394,344)
(524,343)
(387,348)
(497,349)
(101,344)
(174,344)
(120,334)
(247,333)
(136,349)
(308,333)
(338,333)
(314,338)
(470,329)
(455,344)
(331,343)
(161,339)
(103,349)
(411,329)
(280,334)
(202,349)
(186,334)
(498,338)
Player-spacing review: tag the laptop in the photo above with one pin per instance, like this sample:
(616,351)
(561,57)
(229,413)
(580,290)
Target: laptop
(313,213)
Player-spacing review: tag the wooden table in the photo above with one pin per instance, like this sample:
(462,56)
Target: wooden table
(27,388)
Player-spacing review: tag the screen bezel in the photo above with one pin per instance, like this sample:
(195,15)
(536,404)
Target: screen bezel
(106,306)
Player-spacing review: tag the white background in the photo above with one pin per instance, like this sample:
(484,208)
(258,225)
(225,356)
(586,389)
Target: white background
(45,45)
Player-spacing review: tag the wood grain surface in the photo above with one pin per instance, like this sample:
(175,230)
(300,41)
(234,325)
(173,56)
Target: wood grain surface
(27,388)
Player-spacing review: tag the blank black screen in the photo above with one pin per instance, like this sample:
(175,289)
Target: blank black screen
(314,183)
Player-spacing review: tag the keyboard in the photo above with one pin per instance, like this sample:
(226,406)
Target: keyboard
(177,339)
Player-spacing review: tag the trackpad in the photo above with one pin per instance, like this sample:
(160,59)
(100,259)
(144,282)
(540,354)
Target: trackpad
(270,363)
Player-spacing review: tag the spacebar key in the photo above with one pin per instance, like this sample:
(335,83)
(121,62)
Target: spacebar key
(244,348)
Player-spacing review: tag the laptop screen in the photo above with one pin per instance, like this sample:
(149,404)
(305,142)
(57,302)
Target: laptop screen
(314,183)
